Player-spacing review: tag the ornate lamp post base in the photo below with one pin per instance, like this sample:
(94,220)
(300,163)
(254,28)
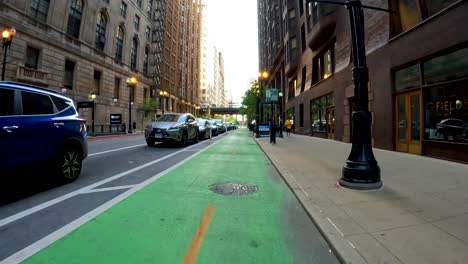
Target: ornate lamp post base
(361,176)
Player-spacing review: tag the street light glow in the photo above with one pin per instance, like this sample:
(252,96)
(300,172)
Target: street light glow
(265,74)
(132,80)
(5,34)
(93,96)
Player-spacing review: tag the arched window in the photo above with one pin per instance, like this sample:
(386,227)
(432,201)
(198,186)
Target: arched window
(145,61)
(133,53)
(101,31)
(74,18)
(119,43)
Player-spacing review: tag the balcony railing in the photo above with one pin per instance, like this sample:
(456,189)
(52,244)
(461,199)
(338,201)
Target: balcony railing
(32,75)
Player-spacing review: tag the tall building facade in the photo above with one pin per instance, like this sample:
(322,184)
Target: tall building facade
(88,50)
(417,62)
(191,17)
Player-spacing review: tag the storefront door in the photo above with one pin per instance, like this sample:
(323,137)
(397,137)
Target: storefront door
(331,122)
(408,122)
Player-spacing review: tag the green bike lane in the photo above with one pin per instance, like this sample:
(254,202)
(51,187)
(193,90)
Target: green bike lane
(167,220)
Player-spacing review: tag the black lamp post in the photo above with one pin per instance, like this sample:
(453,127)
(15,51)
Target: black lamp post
(132,82)
(361,170)
(7,36)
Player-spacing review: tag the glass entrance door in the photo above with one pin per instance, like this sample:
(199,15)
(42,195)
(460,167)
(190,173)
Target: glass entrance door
(408,122)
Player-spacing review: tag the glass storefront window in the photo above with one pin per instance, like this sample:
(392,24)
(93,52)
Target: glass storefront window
(448,67)
(318,112)
(446,112)
(408,77)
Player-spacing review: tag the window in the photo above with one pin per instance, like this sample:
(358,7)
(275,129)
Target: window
(133,53)
(6,102)
(97,82)
(293,43)
(292,88)
(149,7)
(145,93)
(39,9)
(36,104)
(59,103)
(139,3)
(304,77)
(446,112)
(323,65)
(318,112)
(448,67)
(303,38)
(101,31)
(119,43)
(116,88)
(407,77)
(145,61)
(69,74)
(74,18)
(123,9)
(292,13)
(136,22)
(148,33)
(412,12)
(301,7)
(32,58)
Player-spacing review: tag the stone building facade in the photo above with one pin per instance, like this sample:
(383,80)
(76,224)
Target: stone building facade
(417,59)
(89,49)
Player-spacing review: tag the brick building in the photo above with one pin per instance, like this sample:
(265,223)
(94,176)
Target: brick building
(417,60)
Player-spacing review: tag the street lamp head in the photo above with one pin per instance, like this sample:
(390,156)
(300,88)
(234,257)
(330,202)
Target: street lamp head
(64,90)
(132,80)
(280,94)
(115,100)
(93,96)
(265,74)
(6,34)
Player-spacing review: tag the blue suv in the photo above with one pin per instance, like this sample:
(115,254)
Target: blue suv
(40,127)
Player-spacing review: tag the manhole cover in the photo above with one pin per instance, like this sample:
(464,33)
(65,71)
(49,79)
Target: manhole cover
(233,188)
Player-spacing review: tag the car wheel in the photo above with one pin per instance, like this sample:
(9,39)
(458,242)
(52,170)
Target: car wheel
(150,142)
(183,140)
(69,164)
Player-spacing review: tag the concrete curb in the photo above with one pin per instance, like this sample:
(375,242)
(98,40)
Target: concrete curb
(337,243)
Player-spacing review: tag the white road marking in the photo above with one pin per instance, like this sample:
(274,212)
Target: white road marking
(112,150)
(349,242)
(110,189)
(337,229)
(42,206)
(58,234)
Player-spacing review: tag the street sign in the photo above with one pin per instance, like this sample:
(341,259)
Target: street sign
(115,119)
(272,95)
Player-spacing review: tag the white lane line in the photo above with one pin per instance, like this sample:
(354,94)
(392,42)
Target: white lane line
(42,206)
(351,244)
(58,234)
(112,150)
(337,229)
(115,188)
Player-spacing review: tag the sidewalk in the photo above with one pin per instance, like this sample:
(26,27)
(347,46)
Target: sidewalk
(420,215)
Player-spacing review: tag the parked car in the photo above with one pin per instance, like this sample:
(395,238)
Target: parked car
(40,127)
(204,128)
(220,125)
(214,127)
(172,128)
(453,129)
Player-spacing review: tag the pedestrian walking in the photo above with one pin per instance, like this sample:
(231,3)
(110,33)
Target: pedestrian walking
(288,125)
(272,131)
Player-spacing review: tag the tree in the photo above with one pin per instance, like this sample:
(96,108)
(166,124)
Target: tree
(248,106)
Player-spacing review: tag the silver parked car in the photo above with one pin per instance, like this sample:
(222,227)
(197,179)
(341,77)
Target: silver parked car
(204,128)
(172,128)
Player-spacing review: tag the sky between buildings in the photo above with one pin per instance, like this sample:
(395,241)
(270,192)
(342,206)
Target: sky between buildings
(233,29)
